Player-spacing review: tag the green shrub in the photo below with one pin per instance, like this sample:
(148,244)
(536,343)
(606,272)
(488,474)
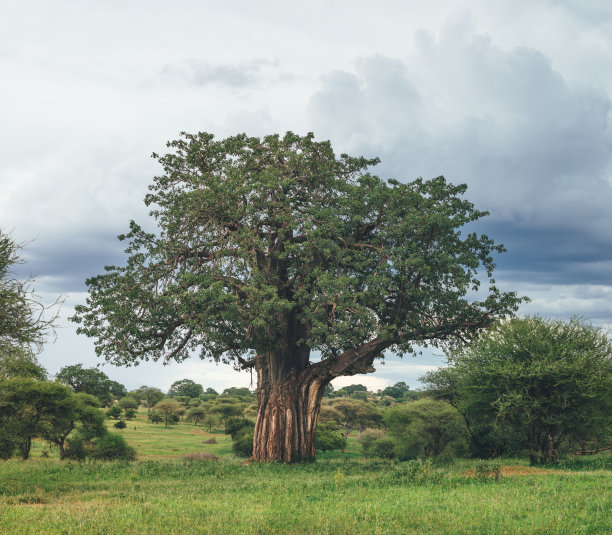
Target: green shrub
(114,412)
(327,439)
(237,427)
(120,424)
(243,445)
(487,471)
(385,448)
(77,448)
(368,439)
(155,417)
(7,444)
(112,447)
(174,418)
(130,414)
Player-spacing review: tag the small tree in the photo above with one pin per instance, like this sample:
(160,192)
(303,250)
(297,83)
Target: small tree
(396,391)
(544,381)
(28,408)
(356,414)
(226,408)
(185,387)
(114,412)
(368,439)
(91,381)
(169,408)
(195,414)
(425,428)
(155,417)
(148,395)
(79,413)
(128,402)
(210,420)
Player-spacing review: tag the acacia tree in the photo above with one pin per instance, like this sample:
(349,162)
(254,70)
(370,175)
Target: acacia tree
(169,408)
(25,322)
(78,411)
(148,395)
(91,381)
(356,414)
(185,387)
(269,249)
(544,383)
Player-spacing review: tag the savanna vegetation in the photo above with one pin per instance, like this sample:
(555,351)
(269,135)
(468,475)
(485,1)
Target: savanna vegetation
(187,480)
(269,250)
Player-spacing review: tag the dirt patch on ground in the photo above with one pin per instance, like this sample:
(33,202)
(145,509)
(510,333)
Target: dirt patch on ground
(522,470)
(519,470)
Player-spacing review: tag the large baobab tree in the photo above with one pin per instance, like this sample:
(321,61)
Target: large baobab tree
(270,249)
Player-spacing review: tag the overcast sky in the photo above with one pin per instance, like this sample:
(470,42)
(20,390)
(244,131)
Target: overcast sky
(512,98)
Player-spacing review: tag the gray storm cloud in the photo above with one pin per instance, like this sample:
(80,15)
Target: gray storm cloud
(534,150)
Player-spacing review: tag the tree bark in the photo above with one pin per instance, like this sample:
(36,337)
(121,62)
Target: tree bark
(289,400)
(289,394)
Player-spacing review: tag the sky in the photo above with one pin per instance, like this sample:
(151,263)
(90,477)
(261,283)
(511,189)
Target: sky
(511,98)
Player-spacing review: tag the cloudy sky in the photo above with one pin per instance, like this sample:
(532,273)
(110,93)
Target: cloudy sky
(512,98)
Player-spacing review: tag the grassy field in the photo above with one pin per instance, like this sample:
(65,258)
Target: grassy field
(163,493)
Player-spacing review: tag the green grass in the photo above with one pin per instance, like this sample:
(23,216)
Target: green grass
(161,493)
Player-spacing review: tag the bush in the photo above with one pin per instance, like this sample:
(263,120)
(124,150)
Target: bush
(368,439)
(7,444)
(487,471)
(384,448)
(114,412)
(237,427)
(77,448)
(426,428)
(130,414)
(120,424)
(112,447)
(243,445)
(415,471)
(327,439)
(155,417)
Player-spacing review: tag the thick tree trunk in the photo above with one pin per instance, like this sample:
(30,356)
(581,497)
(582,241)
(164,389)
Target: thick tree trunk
(289,400)
(289,393)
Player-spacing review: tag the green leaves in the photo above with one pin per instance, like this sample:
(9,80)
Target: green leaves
(545,381)
(277,244)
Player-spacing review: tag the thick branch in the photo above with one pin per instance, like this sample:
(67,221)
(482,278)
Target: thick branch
(358,360)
